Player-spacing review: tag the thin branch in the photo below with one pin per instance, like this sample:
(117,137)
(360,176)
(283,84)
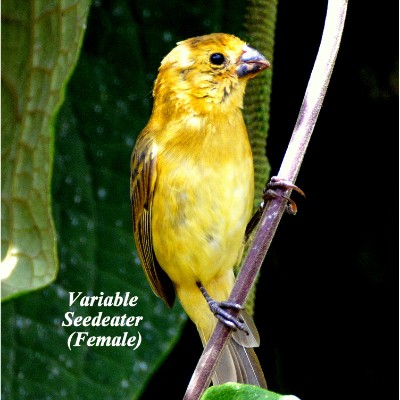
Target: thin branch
(289,170)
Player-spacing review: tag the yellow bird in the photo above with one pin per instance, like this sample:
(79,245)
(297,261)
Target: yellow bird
(192,185)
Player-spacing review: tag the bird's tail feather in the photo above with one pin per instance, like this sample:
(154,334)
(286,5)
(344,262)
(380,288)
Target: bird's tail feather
(238,361)
(238,364)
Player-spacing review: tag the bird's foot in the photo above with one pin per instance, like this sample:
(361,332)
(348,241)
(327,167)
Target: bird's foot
(219,308)
(278,183)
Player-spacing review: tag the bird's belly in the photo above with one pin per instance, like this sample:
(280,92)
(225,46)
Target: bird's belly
(199,218)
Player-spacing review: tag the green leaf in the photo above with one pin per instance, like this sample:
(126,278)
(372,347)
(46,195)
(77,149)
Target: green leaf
(239,391)
(107,103)
(40,43)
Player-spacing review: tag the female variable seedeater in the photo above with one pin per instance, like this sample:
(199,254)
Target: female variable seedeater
(192,185)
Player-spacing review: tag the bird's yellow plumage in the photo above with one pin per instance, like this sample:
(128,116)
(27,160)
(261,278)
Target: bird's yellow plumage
(192,178)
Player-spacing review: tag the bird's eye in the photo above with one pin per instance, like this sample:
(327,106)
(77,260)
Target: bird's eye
(217,58)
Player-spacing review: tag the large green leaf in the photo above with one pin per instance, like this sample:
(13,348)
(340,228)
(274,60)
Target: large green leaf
(40,42)
(107,103)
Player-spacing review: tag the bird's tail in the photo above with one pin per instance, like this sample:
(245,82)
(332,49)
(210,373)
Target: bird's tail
(238,361)
(238,364)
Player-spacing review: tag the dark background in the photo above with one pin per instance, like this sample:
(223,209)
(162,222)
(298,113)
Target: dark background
(327,300)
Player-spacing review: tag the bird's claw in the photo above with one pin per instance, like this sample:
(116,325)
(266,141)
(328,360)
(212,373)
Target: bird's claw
(233,322)
(278,183)
(218,308)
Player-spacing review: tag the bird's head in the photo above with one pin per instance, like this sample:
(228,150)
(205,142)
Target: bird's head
(207,73)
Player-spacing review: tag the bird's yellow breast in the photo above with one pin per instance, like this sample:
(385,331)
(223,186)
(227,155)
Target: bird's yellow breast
(202,199)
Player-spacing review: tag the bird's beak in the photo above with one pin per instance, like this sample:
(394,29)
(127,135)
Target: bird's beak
(251,63)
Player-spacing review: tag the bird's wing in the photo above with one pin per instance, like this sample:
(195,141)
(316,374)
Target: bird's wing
(143,183)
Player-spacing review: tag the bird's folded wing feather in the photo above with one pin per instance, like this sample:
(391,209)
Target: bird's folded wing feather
(143,182)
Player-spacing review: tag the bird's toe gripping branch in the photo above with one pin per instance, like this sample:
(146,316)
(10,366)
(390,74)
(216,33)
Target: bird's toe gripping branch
(270,193)
(219,308)
(278,183)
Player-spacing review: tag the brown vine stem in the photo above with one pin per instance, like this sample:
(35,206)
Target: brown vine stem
(312,102)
